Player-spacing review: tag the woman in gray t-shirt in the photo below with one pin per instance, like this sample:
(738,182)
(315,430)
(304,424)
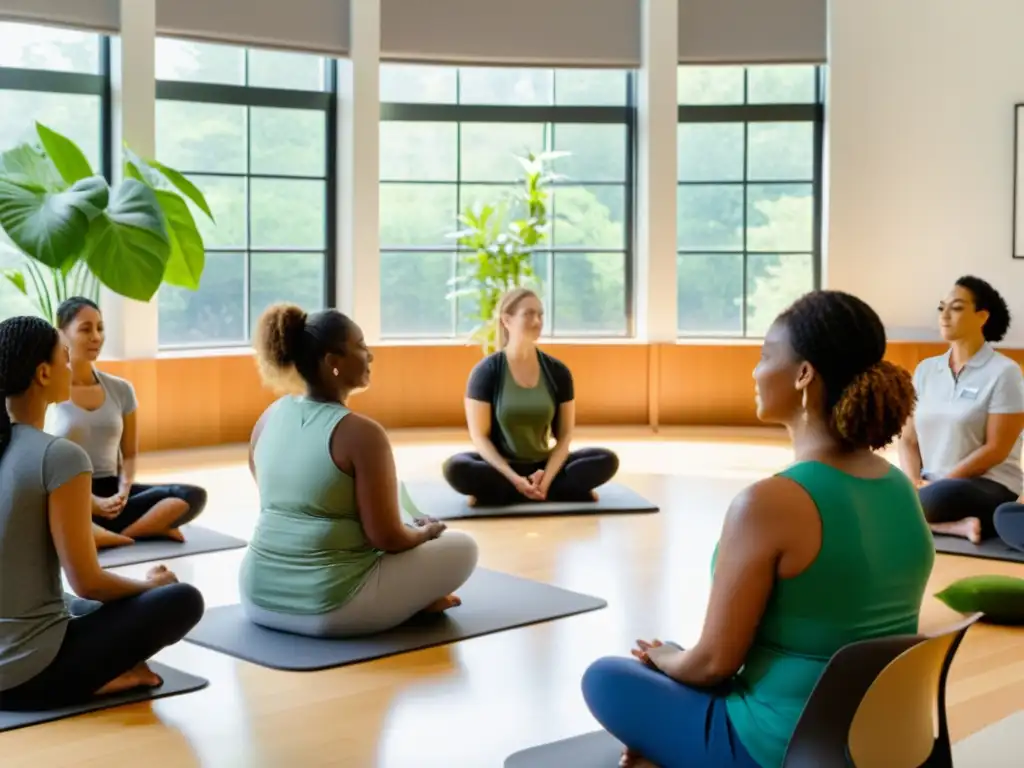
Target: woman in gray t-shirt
(47,658)
(101,416)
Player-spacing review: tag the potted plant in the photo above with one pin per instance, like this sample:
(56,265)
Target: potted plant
(499,240)
(77,231)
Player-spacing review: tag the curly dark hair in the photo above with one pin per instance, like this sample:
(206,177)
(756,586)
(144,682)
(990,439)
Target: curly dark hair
(867,399)
(289,341)
(25,344)
(988,299)
(70,307)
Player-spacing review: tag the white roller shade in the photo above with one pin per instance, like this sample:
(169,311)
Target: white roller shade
(92,15)
(752,31)
(598,33)
(315,26)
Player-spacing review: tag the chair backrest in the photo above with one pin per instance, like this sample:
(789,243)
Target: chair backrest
(879,703)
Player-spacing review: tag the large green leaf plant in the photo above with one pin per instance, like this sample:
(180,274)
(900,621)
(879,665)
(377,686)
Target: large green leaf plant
(499,240)
(77,231)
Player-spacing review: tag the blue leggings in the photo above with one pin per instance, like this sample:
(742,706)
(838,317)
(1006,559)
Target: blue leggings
(670,724)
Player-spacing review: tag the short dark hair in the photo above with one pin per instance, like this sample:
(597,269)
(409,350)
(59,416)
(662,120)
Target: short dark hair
(287,338)
(867,399)
(70,307)
(987,299)
(25,344)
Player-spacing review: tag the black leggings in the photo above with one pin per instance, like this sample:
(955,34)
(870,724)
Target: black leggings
(583,471)
(104,643)
(142,498)
(946,501)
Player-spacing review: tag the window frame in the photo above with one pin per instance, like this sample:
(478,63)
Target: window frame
(74,84)
(745,114)
(250,96)
(548,115)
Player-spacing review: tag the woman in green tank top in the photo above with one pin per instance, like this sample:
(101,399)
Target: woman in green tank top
(833,550)
(330,556)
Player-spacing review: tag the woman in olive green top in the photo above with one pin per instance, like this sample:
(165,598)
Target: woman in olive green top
(833,550)
(330,555)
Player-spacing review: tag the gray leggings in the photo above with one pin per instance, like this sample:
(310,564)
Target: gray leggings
(398,587)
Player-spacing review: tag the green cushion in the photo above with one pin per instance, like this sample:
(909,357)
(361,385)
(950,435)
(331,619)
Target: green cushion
(1000,598)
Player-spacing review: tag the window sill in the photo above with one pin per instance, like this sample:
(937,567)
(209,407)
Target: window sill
(560,341)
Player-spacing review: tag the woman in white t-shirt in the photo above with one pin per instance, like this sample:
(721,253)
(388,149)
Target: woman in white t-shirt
(963,445)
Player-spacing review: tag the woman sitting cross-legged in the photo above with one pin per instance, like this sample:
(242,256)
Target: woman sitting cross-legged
(330,555)
(963,446)
(47,658)
(101,416)
(517,399)
(833,550)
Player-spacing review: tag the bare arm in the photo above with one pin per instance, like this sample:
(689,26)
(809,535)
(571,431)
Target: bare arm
(745,572)
(129,452)
(71,529)
(478,418)
(257,430)
(1001,434)
(364,443)
(910,452)
(566,425)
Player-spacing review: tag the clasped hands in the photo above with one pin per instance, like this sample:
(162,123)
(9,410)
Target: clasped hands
(655,654)
(532,487)
(111,507)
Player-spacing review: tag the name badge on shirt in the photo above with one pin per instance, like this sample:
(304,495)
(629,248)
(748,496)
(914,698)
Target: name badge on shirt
(969,393)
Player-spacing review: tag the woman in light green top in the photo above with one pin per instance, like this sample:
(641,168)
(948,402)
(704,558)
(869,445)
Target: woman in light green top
(330,556)
(832,550)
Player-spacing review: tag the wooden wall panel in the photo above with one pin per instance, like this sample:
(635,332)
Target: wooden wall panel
(707,385)
(211,400)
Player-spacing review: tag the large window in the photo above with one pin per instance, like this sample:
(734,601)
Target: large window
(59,78)
(254,130)
(450,137)
(749,234)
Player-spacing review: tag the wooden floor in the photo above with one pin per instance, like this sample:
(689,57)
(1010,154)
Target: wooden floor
(471,704)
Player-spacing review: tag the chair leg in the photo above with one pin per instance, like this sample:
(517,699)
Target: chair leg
(942,754)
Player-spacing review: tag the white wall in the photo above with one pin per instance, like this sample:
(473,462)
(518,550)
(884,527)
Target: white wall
(920,153)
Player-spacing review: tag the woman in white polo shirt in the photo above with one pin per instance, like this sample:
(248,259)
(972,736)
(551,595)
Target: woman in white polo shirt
(963,445)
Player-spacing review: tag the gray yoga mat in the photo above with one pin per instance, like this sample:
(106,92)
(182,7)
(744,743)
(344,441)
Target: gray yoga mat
(198,541)
(491,602)
(997,746)
(598,749)
(989,549)
(435,498)
(176,682)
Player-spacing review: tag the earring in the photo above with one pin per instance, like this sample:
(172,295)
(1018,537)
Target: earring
(335,372)
(803,402)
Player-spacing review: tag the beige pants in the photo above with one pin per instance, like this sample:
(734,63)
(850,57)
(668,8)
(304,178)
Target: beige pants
(398,587)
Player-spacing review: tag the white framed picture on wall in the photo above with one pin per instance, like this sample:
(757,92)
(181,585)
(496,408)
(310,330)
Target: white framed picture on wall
(1018,181)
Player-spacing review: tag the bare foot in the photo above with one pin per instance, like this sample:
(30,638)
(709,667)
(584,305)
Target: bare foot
(633,759)
(139,676)
(969,528)
(471,501)
(442,605)
(175,535)
(105,539)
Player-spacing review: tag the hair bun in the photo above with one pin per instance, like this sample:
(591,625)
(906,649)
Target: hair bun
(875,407)
(279,333)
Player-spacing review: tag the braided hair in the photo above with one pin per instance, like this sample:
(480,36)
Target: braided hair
(867,399)
(25,344)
